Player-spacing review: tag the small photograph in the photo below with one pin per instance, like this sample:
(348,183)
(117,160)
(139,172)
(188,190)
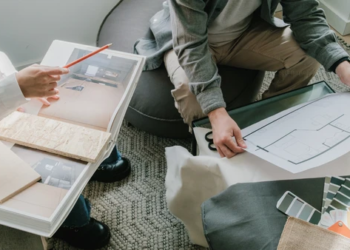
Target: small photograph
(92,90)
(55,171)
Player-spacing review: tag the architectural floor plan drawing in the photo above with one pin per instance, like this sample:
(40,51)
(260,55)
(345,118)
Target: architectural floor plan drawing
(303,137)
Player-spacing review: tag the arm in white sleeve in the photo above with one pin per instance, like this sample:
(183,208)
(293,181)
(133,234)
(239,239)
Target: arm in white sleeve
(11,96)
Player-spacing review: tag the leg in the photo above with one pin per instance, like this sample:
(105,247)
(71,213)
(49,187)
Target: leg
(80,214)
(185,101)
(264,47)
(82,231)
(114,168)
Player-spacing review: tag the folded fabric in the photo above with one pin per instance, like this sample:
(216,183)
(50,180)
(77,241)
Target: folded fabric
(301,235)
(244,216)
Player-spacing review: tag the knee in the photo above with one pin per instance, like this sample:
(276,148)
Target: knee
(187,104)
(311,65)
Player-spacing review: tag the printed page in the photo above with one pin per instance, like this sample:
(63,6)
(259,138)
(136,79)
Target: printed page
(93,89)
(54,170)
(304,137)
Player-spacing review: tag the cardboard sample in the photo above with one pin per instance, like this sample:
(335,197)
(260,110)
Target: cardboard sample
(15,174)
(53,136)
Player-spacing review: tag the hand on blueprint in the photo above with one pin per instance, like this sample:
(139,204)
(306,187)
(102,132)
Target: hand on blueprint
(39,81)
(224,128)
(343,71)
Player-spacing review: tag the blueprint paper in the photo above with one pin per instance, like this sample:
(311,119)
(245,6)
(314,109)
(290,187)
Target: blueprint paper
(305,136)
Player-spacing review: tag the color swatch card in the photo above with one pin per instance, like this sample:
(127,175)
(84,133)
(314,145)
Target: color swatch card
(332,188)
(341,199)
(337,221)
(292,205)
(334,216)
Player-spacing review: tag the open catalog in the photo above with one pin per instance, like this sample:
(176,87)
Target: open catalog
(95,94)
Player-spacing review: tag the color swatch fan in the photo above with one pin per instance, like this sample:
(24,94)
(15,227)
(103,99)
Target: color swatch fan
(335,214)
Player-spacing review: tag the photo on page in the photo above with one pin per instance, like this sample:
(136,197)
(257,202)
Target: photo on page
(92,90)
(55,170)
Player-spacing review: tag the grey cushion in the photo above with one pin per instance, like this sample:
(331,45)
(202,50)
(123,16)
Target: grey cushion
(245,216)
(152,107)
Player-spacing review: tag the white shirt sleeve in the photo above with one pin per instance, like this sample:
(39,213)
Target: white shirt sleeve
(11,96)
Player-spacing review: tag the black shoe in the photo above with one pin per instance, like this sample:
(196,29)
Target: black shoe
(92,236)
(112,170)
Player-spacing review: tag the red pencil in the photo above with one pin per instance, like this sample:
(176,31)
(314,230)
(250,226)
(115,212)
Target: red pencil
(87,56)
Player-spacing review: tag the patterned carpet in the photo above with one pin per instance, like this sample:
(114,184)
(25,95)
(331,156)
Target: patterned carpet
(135,209)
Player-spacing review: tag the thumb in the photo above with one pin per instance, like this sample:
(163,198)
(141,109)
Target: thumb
(239,139)
(44,101)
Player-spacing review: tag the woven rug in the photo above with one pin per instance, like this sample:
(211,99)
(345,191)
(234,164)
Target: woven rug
(135,208)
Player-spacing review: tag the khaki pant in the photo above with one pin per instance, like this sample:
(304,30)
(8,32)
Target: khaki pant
(261,47)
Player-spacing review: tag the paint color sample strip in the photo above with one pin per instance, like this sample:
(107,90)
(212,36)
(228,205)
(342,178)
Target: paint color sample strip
(328,200)
(341,199)
(327,180)
(292,205)
(332,189)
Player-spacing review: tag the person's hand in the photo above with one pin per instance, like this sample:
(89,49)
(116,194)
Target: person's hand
(343,71)
(39,81)
(224,128)
(44,101)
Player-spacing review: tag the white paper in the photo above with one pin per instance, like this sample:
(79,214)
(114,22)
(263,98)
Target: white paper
(305,136)
(91,70)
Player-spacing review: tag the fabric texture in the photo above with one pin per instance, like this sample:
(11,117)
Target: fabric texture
(135,209)
(245,216)
(234,19)
(300,235)
(11,96)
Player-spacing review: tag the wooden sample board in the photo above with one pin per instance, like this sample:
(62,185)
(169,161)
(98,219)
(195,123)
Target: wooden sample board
(53,136)
(15,174)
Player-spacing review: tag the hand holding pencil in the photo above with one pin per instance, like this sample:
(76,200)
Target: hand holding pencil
(88,55)
(53,91)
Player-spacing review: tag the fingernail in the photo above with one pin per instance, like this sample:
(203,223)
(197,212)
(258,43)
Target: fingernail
(65,70)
